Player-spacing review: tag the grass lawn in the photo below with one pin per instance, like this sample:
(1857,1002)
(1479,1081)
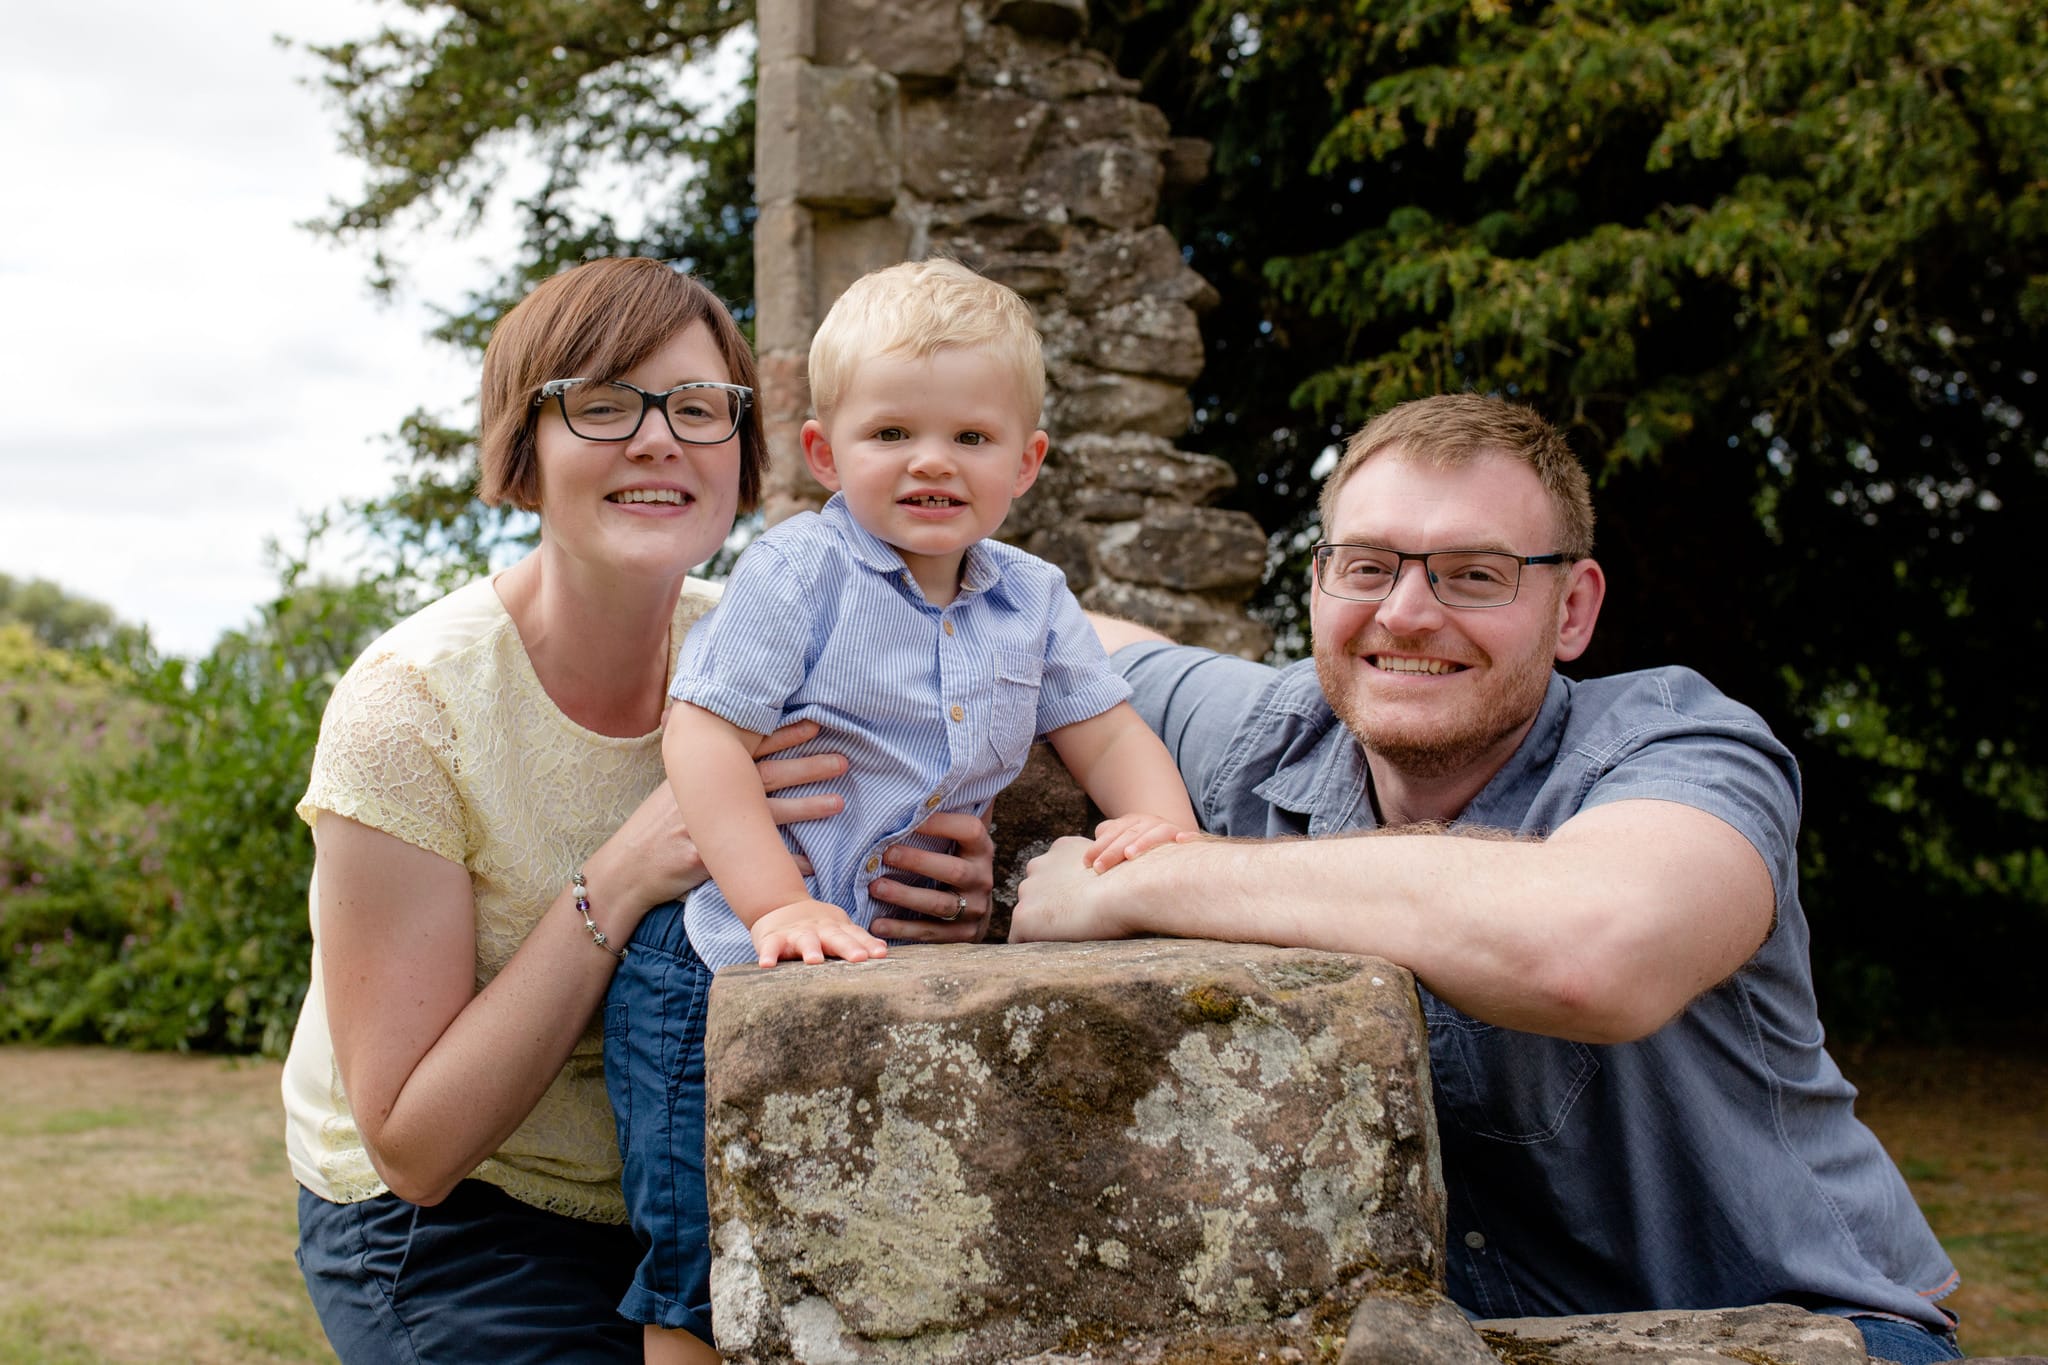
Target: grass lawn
(147,1213)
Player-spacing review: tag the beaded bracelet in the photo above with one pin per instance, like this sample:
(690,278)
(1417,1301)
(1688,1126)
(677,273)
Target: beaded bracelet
(581,891)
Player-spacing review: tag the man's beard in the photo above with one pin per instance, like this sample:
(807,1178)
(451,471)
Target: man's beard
(1453,742)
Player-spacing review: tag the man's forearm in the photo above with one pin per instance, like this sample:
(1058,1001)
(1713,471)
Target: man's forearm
(1601,933)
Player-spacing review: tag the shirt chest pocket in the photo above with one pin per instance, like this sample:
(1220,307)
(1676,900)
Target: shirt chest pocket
(1013,712)
(1501,1084)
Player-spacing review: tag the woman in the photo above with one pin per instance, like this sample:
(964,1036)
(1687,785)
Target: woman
(490,823)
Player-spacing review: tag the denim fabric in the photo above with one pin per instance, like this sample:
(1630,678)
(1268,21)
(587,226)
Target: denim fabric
(1906,1343)
(935,708)
(479,1276)
(1716,1162)
(654,1069)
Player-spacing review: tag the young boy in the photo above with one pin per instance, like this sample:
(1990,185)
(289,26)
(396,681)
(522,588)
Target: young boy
(931,655)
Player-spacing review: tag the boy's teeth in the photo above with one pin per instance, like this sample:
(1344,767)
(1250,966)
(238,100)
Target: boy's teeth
(927,500)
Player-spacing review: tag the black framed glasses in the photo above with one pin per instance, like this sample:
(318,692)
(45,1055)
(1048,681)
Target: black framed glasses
(1458,578)
(701,413)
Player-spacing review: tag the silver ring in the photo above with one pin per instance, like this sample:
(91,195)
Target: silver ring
(959,909)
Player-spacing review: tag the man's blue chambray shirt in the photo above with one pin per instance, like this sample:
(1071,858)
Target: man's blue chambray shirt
(935,708)
(1716,1162)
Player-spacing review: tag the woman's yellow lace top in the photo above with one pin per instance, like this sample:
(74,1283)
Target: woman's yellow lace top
(442,736)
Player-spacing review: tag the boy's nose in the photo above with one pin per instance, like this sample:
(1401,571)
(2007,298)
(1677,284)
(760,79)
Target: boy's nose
(931,457)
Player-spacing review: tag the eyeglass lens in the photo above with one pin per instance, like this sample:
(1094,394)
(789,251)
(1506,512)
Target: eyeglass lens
(1459,578)
(700,414)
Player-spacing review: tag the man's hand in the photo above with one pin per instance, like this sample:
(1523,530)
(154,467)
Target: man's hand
(813,931)
(1062,898)
(1127,836)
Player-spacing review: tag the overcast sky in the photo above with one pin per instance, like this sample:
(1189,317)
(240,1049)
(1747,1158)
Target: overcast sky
(186,372)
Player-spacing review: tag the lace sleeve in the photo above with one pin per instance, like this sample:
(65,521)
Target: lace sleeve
(386,759)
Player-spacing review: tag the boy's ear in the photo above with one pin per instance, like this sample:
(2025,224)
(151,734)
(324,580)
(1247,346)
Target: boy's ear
(818,455)
(1034,460)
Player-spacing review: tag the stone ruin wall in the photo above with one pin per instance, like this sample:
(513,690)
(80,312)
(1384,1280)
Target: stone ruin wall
(893,130)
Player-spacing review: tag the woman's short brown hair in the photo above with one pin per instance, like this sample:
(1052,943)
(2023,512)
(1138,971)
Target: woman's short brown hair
(596,321)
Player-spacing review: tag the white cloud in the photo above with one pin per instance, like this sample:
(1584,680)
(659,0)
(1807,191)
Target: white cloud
(183,371)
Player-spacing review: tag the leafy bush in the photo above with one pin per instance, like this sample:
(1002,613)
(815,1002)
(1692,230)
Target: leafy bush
(157,897)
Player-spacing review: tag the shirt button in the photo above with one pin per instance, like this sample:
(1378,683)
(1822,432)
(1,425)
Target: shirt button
(958,712)
(947,626)
(932,802)
(1476,1240)
(875,862)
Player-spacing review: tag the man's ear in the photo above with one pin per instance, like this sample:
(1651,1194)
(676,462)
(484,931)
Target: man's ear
(1034,460)
(818,455)
(1585,588)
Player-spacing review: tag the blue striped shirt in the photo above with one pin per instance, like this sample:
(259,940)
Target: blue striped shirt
(935,708)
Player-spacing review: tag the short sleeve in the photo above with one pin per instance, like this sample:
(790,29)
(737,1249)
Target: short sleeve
(386,759)
(1078,682)
(1748,781)
(747,657)
(1200,703)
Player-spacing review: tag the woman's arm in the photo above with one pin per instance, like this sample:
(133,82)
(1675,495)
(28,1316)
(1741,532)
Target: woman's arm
(439,1074)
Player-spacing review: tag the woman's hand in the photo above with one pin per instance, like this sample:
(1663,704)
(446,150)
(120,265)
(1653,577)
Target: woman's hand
(651,858)
(959,915)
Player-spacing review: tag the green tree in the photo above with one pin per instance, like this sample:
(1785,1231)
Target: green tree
(639,152)
(1782,272)
(63,620)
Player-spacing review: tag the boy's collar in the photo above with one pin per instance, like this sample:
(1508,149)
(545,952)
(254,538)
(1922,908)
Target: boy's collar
(980,568)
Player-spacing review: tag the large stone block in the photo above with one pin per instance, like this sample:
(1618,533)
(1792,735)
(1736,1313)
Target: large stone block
(1111,183)
(972,144)
(1139,336)
(1188,549)
(1119,267)
(911,39)
(830,137)
(1220,625)
(981,1153)
(1775,1332)
(1086,399)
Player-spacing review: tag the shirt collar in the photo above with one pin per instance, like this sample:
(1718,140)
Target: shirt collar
(980,571)
(1330,782)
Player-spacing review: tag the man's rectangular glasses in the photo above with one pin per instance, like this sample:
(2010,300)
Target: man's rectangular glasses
(1458,578)
(701,413)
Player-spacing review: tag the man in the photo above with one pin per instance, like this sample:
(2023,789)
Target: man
(1635,1106)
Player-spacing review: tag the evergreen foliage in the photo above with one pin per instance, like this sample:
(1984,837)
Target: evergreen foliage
(1781,271)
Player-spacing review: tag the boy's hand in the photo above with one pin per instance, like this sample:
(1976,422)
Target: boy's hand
(813,931)
(1126,837)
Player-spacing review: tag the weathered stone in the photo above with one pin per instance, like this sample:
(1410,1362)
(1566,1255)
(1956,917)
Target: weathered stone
(1145,464)
(1140,336)
(1217,625)
(785,28)
(1189,549)
(1101,182)
(785,402)
(1412,1329)
(1119,267)
(785,289)
(1010,59)
(848,247)
(906,38)
(1090,400)
(840,144)
(1017,1149)
(1775,1332)
(1110,118)
(972,144)
(1060,21)
(1068,547)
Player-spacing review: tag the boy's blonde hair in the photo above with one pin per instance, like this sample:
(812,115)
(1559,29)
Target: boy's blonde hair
(918,309)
